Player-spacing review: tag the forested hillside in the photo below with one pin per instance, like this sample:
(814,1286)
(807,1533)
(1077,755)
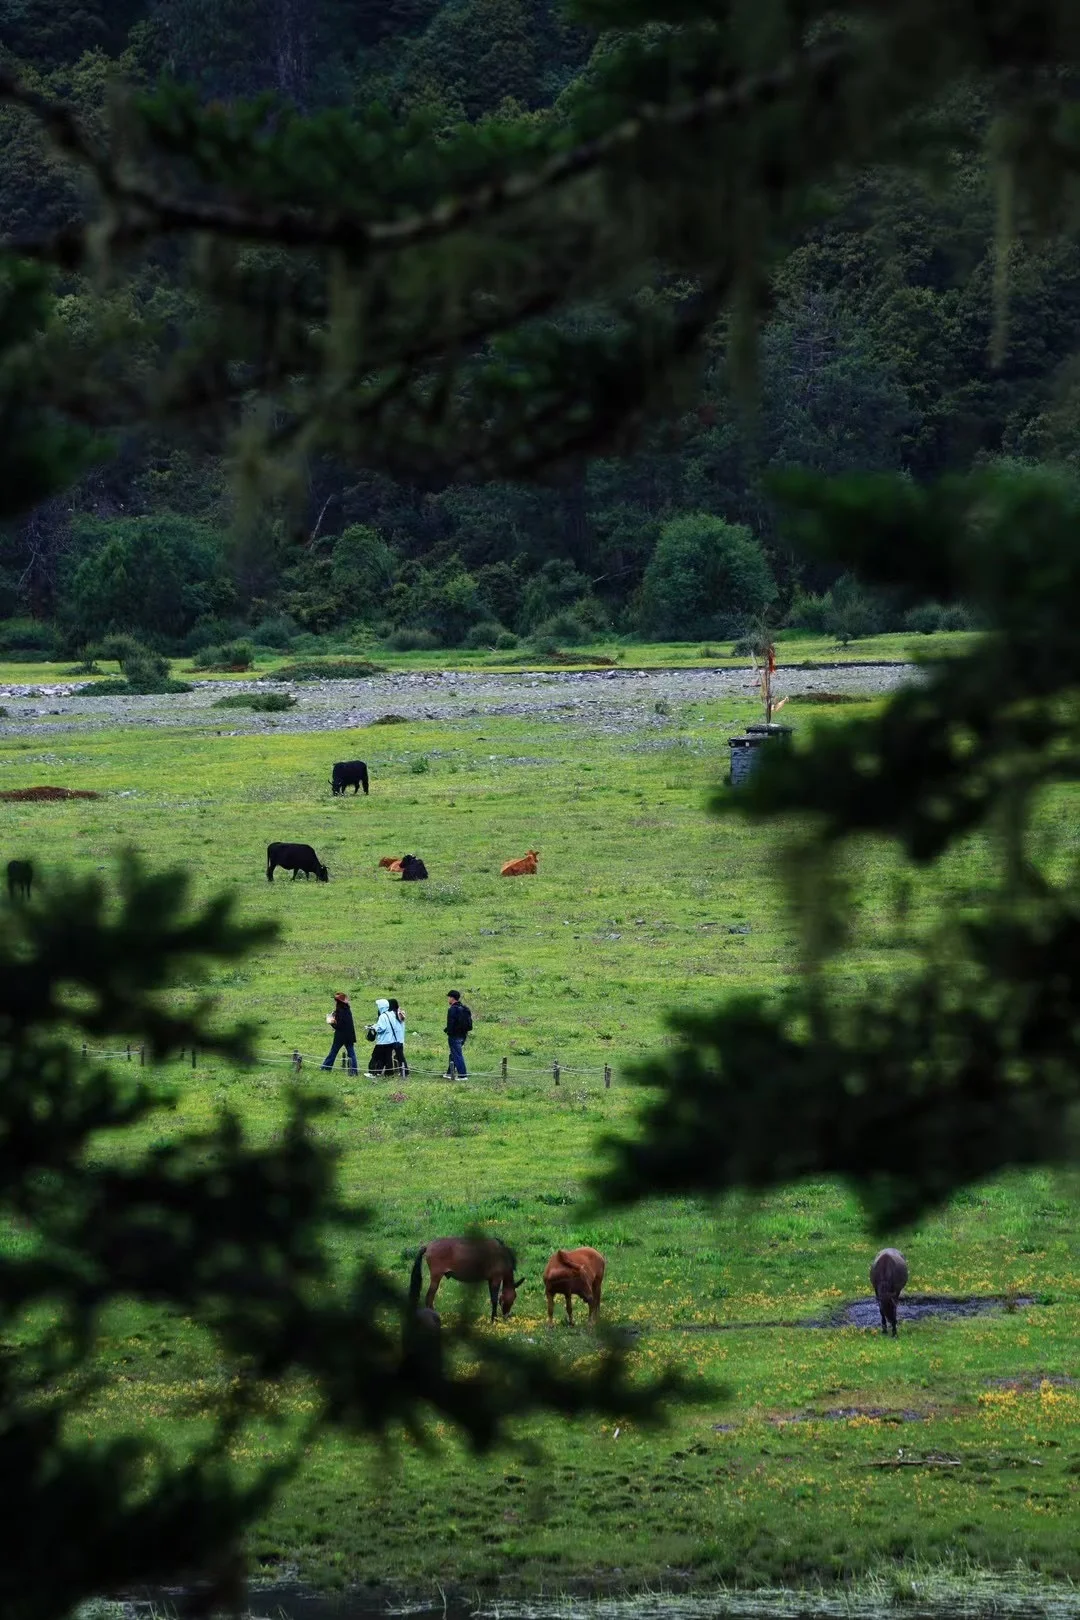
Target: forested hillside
(876,353)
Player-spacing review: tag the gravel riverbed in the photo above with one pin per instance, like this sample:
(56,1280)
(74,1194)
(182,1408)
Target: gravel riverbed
(613,700)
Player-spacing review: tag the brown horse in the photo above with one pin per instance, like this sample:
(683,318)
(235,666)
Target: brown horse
(574,1271)
(469,1260)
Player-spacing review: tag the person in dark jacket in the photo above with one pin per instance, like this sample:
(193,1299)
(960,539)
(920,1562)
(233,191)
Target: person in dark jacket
(458,1025)
(344,1032)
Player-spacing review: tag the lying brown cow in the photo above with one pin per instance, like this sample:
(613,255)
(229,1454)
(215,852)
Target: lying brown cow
(392,863)
(574,1271)
(524,867)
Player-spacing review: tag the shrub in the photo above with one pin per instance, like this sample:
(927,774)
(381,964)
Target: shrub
(506,640)
(328,669)
(930,618)
(27,636)
(262,702)
(409,640)
(706,577)
(421,766)
(389,720)
(116,687)
(233,655)
(276,632)
(483,635)
(211,632)
(144,671)
(568,626)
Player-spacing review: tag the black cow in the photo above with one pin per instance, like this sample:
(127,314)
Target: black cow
(350,773)
(413,869)
(20,875)
(888,1274)
(297,858)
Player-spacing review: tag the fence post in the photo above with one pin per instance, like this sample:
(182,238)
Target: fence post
(607,1077)
(297,1060)
(502,1068)
(84,1051)
(129,1051)
(142,1057)
(192,1057)
(555,1071)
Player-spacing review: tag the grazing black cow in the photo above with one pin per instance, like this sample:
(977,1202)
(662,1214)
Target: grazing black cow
(20,875)
(297,858)
(413,869)
(350,773)
(888,1274)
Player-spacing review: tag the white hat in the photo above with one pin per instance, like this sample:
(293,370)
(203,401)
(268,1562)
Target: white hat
(382,1006)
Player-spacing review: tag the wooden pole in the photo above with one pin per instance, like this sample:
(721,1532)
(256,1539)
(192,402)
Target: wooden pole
(297,1061)
(555,1071)
(192,1057)
(607,1077)
(502,1068)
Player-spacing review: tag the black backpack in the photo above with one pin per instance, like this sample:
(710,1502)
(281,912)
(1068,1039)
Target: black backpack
(468,1019)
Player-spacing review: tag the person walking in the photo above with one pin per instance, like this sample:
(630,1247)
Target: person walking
(397,1015)
(458,1025)
(382,1053)
(344,1032)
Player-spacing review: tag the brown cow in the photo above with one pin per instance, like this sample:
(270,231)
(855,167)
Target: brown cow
(469,1260)
(524,867)
(574,1271)
(392,863)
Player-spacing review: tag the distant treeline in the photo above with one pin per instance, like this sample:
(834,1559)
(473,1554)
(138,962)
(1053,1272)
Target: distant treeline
(876,354)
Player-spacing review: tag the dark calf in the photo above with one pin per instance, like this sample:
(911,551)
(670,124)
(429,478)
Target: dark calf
(20,875)
(413,869)
(888,1275)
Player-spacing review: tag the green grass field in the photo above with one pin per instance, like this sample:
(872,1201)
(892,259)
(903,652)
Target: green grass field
(793,647)
(628,918)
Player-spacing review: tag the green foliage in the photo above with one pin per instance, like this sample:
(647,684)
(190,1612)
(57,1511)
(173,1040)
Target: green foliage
(144,671)
(261,702)
(706,577)
(327,669)
(958,1065)
(160,573)
(413,640)
(234,655)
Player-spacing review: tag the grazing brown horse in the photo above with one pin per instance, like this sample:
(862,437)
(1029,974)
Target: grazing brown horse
(469,1260)
(888,1274)
(574,1271)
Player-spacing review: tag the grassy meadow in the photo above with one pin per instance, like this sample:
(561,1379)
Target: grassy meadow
(830,1450)
(794,647)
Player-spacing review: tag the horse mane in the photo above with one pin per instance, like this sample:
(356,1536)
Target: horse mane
(511,1257)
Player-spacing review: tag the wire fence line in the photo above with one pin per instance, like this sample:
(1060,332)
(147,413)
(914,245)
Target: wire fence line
(298,1061)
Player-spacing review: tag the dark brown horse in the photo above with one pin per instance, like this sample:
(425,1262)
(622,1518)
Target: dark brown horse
(469,1260)
(888,1275)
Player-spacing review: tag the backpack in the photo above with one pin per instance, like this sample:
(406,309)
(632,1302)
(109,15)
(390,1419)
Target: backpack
(468,1019)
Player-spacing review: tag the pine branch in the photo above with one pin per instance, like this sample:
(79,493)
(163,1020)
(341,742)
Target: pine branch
(143,214)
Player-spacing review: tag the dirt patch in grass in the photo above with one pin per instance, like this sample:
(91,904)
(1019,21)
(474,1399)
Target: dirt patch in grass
(48,795)
(865,1313)
(844,1414)
(1033,1381)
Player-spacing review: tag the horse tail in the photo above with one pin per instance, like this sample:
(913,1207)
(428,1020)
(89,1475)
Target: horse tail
(417,1276)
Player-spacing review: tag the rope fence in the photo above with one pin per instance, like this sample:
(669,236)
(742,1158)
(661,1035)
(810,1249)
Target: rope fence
(555,1071)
